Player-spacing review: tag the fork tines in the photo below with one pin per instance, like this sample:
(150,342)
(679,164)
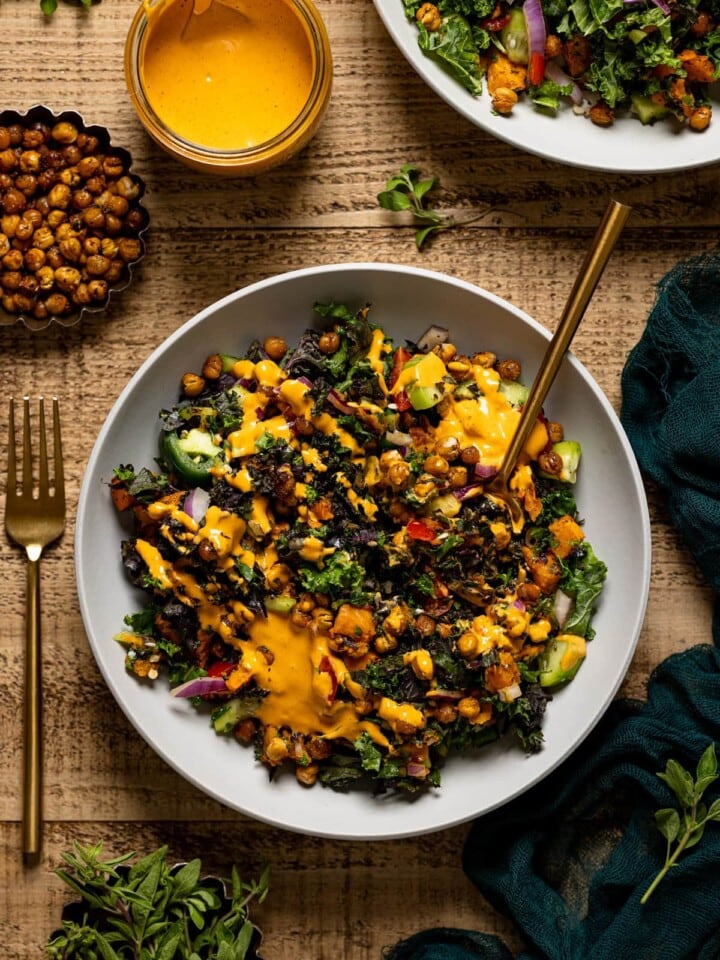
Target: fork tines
(26,486)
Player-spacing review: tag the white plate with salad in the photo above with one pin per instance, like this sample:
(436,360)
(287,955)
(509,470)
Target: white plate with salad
(428,651)
(634,58)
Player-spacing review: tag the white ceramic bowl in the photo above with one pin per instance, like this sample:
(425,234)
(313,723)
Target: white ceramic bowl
(625,147)
(610,494)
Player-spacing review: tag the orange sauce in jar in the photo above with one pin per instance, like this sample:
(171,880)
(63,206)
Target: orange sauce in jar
(230,77)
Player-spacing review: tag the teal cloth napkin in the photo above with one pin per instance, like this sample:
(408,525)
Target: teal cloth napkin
(569,860)
(671,406)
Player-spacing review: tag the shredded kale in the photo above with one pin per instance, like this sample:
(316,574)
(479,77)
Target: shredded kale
(583,579)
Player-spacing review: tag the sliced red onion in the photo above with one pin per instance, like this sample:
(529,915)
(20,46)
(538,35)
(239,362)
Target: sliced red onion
(433,336)
(199,687)
(557,75)
(339,402)
(196,503)
(562,607)
(465,493)
(536,31)
(398,438)
(304,381)
(518,604)
(511,692)
(485,470)
(417,770)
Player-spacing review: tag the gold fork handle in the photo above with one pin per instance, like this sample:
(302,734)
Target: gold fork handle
(32,774)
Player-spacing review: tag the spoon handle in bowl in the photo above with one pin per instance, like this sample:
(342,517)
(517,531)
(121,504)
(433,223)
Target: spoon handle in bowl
(596,258)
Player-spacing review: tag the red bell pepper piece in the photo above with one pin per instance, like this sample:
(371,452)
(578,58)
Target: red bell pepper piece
(536,69)
(419,530)
(220,668)
(326,666)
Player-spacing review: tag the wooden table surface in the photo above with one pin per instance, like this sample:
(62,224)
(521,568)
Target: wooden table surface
(209,237)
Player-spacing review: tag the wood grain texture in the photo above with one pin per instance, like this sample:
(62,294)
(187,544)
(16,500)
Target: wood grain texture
(207,238)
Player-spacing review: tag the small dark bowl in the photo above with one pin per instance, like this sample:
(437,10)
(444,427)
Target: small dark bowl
(53,166)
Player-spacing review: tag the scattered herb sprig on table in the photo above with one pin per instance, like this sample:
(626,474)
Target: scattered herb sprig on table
(49,7)
(407,191)
(149,909)
(684,829)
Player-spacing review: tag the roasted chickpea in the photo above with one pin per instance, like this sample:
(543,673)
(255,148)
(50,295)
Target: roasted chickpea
(97,265)
(550,462)
(64,132)
(67,278)
(128,188)
(59,196)
(192,384)
(213,367)
(27,184)
(55,218)
(448,448)
(8,159)
(13,260)
(57,304)
(14,201)
(509,369)
(10,280)
(34,259)
(700,118)
(555,431)
(275,347)
(93,217)
(503,100)
(436,466)
(329,342)
(98,290)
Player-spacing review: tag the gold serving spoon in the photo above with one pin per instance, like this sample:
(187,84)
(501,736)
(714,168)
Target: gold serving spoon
(596,258)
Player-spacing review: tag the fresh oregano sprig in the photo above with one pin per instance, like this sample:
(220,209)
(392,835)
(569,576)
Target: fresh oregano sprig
(149,909)
(684,828)
(49,7)
(407,191)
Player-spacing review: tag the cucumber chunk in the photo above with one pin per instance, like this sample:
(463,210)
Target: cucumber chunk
(562,659)
(198,443)
(516,393)
(422,398)
(569,452)
(648,110)
(226,717)
(514,36)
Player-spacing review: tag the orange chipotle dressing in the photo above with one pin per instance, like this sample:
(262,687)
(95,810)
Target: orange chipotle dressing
(297,681)
(231,80)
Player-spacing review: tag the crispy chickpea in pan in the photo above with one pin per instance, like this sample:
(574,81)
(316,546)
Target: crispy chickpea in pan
(70,218)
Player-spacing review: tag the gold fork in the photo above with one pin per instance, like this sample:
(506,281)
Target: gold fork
(34,518)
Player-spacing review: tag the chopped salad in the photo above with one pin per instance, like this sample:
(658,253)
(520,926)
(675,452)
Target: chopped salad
(653,59)
(325,571)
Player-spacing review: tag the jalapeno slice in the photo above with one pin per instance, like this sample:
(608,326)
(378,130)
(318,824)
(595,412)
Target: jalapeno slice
(191,455)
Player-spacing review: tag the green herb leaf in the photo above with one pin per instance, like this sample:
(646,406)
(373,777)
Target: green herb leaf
(685,828)
(153,912)
(406,191)
(668,823)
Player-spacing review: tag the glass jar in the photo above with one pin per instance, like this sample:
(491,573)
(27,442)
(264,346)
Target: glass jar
(180,69)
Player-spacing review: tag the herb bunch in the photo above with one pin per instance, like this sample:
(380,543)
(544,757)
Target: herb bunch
(152,911)
(684,828)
